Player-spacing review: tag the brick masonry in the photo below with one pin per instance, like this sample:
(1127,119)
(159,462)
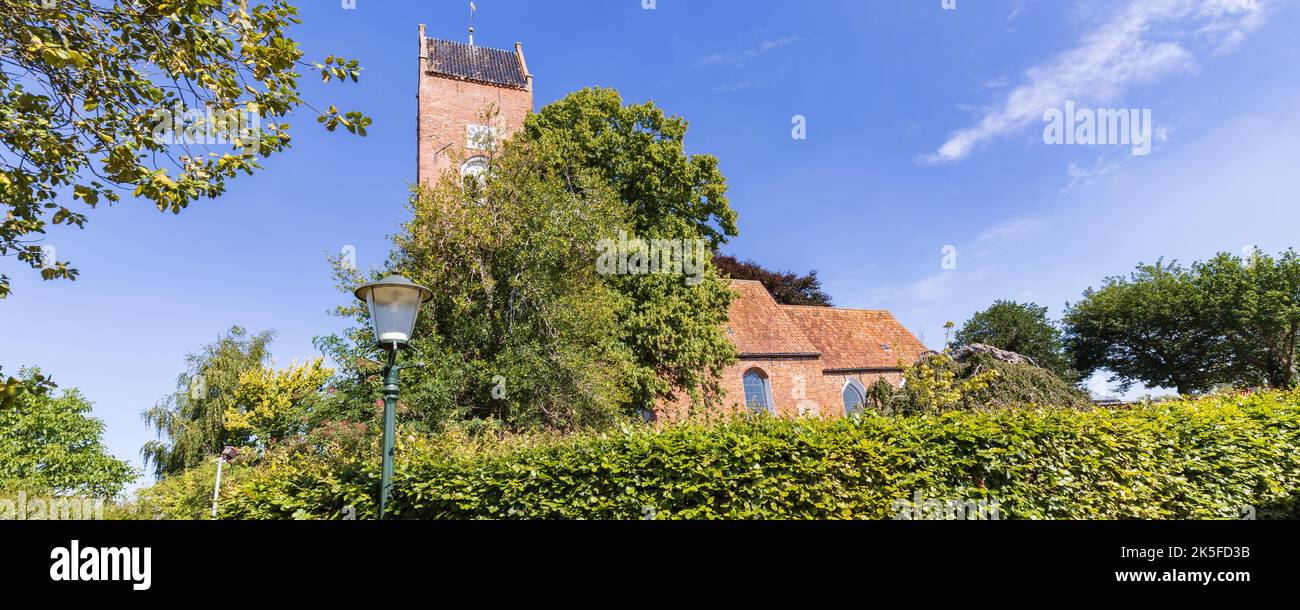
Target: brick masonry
(800,388)
(448,106)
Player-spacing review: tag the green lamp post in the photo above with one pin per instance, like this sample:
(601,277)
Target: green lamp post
(394,304)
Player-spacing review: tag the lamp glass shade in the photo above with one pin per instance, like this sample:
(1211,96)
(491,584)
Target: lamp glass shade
(394,306)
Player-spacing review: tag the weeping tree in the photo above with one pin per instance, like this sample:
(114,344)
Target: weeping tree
(190,422)
(161,100)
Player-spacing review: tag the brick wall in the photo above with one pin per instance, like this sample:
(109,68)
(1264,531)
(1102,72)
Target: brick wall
(798,385)
(447,106)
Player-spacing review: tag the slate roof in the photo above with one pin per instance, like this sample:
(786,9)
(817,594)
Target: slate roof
(476,64)
(844,339)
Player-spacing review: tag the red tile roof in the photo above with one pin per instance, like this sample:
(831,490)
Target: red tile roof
(856,339)
(757,325)
(845,339)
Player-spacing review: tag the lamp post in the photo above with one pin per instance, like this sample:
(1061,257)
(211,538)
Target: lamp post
(227,455)
(394,304)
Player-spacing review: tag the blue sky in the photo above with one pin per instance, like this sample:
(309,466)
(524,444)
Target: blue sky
(924,130)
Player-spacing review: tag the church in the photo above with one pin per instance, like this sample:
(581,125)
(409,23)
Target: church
(793,361)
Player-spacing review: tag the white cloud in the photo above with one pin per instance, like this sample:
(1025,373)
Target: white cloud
(739,57)
(925,290)
(740,86)
(1016,10)
(1143,41)
(1008,231)
(970,271)
(776,43)
(997,83)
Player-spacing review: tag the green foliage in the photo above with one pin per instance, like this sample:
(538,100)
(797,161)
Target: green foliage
(1255,303)
(274,405)
(16,388)
(329,445)
(49,444)
(190,422)
(1023,328)
(1224,322)
(786,288)
(341,448)
(86,87)
(1204,459)
(521,328)
(1018,385)
(673,330)
(183,496)
(935,385)
(1150,327)
(640,152)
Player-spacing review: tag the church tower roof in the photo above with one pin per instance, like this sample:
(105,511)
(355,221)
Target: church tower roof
(460,61)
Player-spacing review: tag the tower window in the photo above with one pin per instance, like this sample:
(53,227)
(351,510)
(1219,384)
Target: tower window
(474,172)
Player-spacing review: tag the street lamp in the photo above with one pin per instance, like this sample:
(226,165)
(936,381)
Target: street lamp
(227,455)
(394,304)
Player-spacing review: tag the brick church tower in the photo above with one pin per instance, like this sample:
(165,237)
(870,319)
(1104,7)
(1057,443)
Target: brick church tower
(458,83)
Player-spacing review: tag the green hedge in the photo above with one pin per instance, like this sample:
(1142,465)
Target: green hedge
(1210,458)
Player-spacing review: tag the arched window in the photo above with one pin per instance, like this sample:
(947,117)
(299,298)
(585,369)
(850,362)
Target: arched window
(855,397)
(758,391)
(475,169)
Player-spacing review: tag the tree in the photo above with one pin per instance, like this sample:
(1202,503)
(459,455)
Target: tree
(49,444)
(190,422)
(271,406)
(787,288)
(1225,321)
(521,329)
(1255,304)
(163,99)
(1021,328)
(16,388)
(673,329)
(1155,326)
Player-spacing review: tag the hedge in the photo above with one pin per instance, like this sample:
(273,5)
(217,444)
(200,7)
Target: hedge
(1221,457)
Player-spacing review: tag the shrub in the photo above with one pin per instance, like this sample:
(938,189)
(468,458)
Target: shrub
(184,496)
(1022,384)
(1189,459)
(937,384)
